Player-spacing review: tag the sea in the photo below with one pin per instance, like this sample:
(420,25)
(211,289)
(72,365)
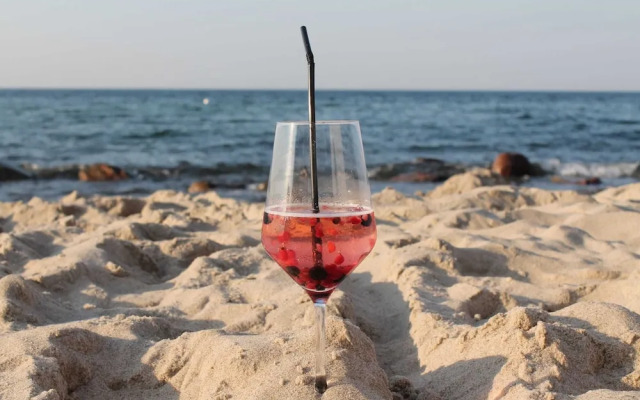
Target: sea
(167,139)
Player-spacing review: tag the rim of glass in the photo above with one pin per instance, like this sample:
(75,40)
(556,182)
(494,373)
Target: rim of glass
(327,122)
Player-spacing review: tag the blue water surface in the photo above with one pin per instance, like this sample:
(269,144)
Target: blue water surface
(168,138)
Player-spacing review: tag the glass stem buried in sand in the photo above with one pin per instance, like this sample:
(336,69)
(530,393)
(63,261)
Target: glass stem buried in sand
(321,374)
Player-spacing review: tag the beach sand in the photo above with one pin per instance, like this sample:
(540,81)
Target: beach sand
(475,290)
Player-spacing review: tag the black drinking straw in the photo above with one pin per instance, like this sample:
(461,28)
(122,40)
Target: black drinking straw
(319,304)
(312,119)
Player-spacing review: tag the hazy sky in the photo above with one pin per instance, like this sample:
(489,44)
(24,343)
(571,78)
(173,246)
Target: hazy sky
(373,44)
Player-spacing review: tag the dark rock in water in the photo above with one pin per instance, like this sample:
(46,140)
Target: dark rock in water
(513,165)
(200,187)
(420,170)
(594,180)
(427,160)
(11,173)
(537,170)
(101,172)
(636,172)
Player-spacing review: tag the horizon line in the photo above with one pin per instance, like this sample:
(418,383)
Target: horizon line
(97,88)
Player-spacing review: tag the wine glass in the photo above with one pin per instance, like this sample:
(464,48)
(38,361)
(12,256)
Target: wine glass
(318,229)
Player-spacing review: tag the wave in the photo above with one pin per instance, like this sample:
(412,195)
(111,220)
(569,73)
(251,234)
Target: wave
(154,135)
(614,121)
(244,120)
(247,174)
(469,147)
(539,145)
(601,170)
(437,170)
(425,147)
(525,115)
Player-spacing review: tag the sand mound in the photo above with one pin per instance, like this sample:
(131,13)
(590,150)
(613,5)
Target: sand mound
(476,290)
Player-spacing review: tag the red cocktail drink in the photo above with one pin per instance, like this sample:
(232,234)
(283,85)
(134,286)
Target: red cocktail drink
(319,250)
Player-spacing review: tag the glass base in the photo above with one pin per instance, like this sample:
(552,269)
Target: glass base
(321,384)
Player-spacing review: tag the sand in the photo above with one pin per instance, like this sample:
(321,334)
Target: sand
(476,290)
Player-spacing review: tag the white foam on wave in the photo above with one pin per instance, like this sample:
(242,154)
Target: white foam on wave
(579,169)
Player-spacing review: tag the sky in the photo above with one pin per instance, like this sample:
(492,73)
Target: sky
(584,45)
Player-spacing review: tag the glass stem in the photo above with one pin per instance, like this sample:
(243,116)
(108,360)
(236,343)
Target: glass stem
(321,374)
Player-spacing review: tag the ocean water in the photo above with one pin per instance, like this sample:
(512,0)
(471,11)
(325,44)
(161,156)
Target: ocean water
(166,139)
